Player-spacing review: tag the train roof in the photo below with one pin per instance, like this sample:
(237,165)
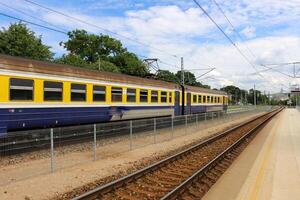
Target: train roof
(204,90)
(42,67)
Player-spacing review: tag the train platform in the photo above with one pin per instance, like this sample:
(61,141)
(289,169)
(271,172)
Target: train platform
(269,168)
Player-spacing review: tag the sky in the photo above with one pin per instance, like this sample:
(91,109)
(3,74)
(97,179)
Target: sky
(264,32)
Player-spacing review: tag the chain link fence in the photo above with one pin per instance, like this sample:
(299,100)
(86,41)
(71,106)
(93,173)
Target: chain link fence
(49,150)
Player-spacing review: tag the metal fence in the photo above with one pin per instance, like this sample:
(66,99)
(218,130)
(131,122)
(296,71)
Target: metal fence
(63,147)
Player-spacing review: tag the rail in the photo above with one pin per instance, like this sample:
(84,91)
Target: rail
(93,194)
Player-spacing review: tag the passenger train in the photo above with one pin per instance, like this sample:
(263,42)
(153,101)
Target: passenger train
(35,94)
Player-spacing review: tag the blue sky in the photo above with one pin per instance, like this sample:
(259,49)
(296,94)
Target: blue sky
(269,28)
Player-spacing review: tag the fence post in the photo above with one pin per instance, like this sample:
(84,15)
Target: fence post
(52,150)
(186,124)
(172,124)
(95,141)
(186,120)
(205,116)
(130,134)
(154,129)
(196,120)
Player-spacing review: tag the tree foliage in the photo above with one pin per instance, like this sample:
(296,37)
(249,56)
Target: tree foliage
(244,97)
(75,60)
(190,79)
(18,40)
(166,75)
(113,56)
(129,63)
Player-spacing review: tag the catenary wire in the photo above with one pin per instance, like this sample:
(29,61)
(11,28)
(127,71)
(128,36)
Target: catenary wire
(99,27)
(34,17)
(35,24)
(231,41)
(233,28)
(62,32)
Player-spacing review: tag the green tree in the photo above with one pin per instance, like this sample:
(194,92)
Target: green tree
(75,60)
(166,75)
(129,63)
(189,78)
(72,59)
(91,47)
(113,56)
(18,40)
(234,91)
(260,97)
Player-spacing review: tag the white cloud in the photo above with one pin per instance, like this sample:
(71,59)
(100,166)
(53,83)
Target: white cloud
(249,32)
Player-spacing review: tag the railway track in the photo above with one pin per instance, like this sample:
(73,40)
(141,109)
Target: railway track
(186,175)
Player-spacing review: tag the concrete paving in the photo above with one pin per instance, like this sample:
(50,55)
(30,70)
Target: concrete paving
(269,168)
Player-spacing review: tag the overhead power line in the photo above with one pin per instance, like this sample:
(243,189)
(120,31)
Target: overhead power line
(287,63)
(34,17)
(231,41)
(98,27)
(35,24)
(233,28)
(225,34)
(65,33)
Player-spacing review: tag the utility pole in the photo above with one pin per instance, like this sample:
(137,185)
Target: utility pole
(182,72)
(242,101)
(246,100)
(236,97)
(99,64)
(254,96)
(182,87)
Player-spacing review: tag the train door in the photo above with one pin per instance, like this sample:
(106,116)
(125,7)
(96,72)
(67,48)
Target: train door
(224,104)
(177,103)
(188,103)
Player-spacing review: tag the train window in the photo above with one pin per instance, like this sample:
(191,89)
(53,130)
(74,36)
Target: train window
(194,98)
(170,97)
(99,93)
(78,92)
(208,99)
(21,89)
(53,91)
(144,96)
(116,94)
(204,99)
(154,96)
(131,95)
(163,97)
(199,99)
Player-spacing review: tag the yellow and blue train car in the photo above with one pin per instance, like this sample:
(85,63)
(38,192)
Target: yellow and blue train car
(35,94)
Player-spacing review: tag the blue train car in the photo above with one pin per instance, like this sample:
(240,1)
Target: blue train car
(37,94)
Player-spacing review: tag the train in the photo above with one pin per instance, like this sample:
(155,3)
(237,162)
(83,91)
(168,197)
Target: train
(36,94)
